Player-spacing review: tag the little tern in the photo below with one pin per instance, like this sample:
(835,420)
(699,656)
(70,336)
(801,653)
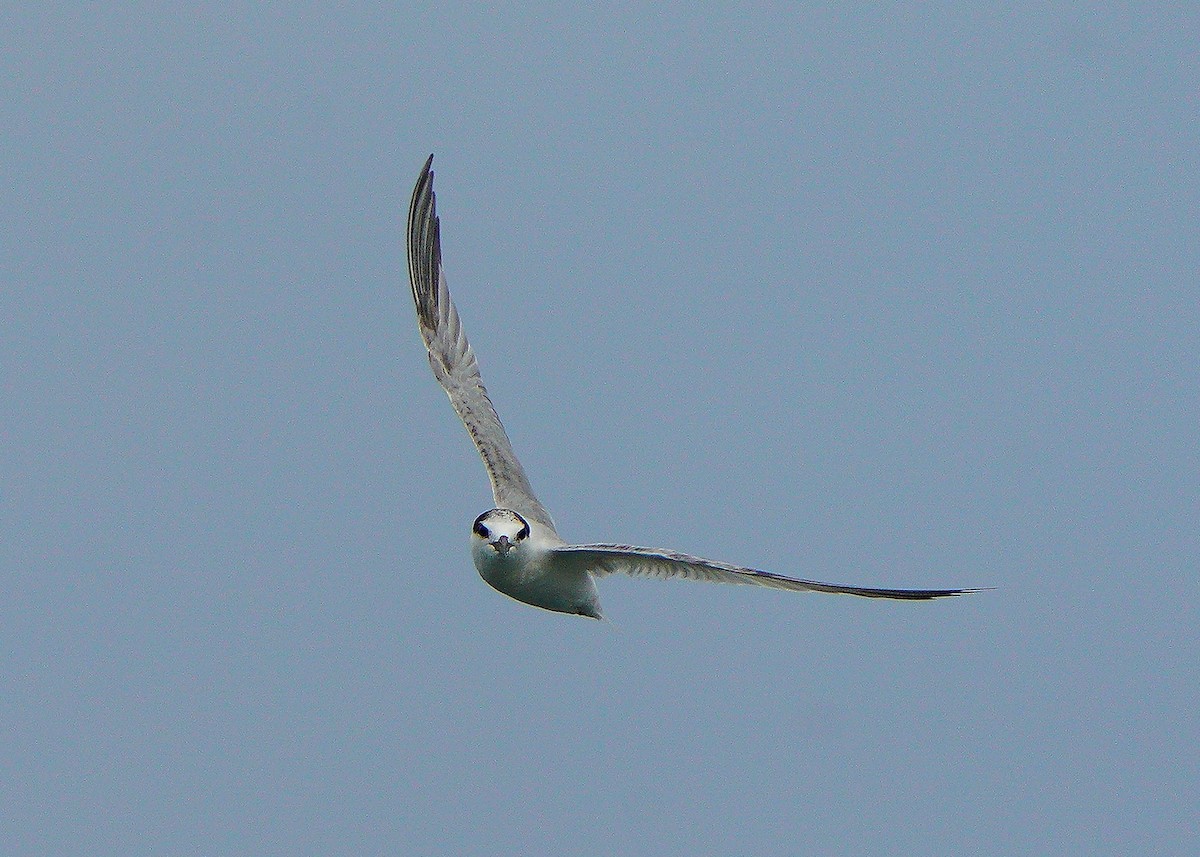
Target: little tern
(515,546)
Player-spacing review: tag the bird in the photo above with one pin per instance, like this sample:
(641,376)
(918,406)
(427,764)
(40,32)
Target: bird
(515,546)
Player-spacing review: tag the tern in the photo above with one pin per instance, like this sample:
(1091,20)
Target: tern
(515,546)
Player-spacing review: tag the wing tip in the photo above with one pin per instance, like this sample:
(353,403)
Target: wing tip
(424,246)
(426,174)
(929,594)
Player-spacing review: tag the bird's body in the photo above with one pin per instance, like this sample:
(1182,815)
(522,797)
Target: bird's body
(530,571)
(516,547)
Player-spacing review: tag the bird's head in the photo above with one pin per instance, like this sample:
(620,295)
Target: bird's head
(502,530)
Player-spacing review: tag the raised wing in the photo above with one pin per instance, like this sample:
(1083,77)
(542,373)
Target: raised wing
(652,562)
(453,361)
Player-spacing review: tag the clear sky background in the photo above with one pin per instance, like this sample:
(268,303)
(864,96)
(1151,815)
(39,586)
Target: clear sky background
(886,297)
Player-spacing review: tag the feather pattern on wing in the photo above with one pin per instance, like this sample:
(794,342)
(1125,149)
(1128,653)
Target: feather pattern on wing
(634,561)
(453,361)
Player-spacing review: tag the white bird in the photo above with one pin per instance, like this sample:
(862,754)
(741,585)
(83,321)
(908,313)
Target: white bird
(515,545)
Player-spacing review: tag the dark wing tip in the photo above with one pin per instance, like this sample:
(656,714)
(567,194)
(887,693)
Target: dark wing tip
(918,594)
(424,246)
(868,591)
(915,594)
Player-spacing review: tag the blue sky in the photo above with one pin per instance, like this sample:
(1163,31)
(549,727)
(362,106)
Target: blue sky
(887,297)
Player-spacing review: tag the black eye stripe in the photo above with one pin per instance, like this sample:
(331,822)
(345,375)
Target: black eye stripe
(484,531)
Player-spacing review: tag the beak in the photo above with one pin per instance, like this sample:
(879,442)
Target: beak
(502,545)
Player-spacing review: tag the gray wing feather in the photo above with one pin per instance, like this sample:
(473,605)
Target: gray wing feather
(652,562)
(453,361)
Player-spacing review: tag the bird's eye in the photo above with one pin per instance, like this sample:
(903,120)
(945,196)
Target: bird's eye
(481,529)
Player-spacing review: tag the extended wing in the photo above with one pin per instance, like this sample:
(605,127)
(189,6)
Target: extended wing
(453,361)
(652,562)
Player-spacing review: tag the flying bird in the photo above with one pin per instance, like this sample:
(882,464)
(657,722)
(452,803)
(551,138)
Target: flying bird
(515,546)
